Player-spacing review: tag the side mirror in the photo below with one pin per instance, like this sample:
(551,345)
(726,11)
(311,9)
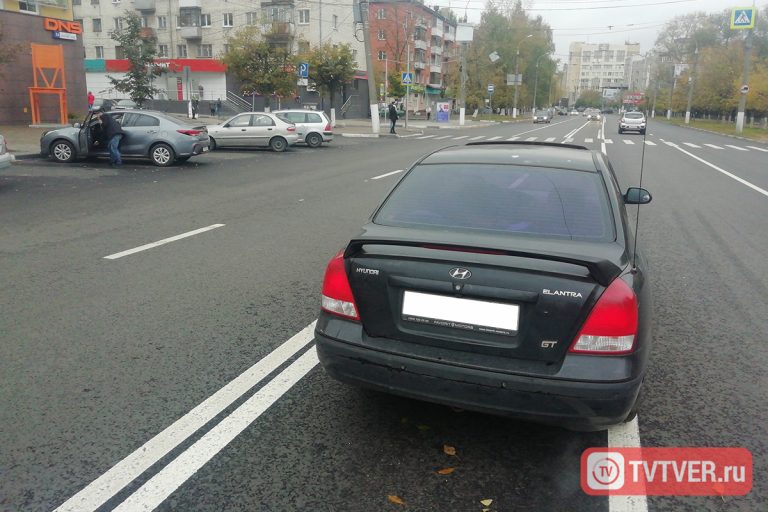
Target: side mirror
(76,125)
(636,195)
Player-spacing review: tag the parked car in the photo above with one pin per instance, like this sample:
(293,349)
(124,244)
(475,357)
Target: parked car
(542,116)
(5,157)
(161,138)
(312,126)
(254,129)
(632,121)
(124,105)
(574,112)
(518,300)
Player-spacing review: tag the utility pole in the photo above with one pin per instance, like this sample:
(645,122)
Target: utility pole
(745,80)
(373,104)
(690,84)
(671,91)
(517,70)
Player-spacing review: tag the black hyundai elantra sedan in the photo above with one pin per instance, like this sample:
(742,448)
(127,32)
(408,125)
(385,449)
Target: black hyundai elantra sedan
(501,278)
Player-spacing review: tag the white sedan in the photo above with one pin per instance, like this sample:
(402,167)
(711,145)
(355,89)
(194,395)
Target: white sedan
(5,157)
(253,129)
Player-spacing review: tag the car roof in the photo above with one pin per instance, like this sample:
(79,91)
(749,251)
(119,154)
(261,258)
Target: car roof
(538,154)
(298,110)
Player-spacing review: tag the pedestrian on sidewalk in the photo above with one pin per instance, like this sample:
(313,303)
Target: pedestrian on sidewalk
(113,132)
(195,105)
(429,112)
(213,108)
(218,106)
(91,99)
(392,117)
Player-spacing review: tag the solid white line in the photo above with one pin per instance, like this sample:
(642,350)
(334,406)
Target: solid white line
(713,146)
(759,149)
(608,141)
(162,242)
(150,495)
(588,140)
(625,435)
(602,148)
(425,137)
(409,135)
(513,138)
(730,175)
(459,138)
(650,143)
(478,137)
(736,147)
(387,174)
(443,137)
(573,132)
(531,139)
(549,139)
(495,138)
(692,145)
(124,472)
(627,141)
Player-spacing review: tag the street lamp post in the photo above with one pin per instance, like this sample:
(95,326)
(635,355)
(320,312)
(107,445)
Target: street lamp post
(671,92)
(536,81)
(690,85)
(517,67)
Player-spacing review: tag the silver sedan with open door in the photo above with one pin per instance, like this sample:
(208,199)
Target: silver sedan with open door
(254,129)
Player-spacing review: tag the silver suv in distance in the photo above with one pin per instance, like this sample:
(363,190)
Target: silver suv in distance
(632,121)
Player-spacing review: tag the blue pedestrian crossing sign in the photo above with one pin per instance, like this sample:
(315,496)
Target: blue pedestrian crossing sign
(742,18)
(304,70)
(407,78)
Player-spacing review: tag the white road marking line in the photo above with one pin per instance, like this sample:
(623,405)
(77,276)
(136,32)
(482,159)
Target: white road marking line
(627,141)
(531,139)
(549,139)
(574,131)
(669,143)
(565,141)
(736,147)
(713,146)
(602,148)
(459,138)
(692,145)
(478,137)
(443,137)
(730,175)
(150,495)
(650,143)
(387,174)
(513,138)
(608,141)
(162,242)
(757,148)
(425,137)
(588,140)
(495,138)
(626,435)
(124,472)
(409,135)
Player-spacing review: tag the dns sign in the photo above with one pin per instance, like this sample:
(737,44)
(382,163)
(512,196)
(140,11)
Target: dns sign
(55,25)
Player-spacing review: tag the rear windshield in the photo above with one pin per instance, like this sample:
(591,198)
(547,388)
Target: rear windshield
(502,198)
(541,113)
(634,115)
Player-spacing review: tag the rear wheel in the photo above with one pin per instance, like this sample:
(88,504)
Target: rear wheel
(314,140)
(162,155)
(278,144)
(63,151)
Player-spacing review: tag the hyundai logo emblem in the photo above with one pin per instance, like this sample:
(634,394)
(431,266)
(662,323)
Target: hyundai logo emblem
(460,273)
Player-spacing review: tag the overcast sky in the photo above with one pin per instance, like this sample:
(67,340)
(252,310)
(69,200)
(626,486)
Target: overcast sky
(602,21)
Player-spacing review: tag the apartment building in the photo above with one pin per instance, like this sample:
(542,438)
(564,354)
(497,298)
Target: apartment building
(193,35)
(598,67)
(407,35)
(56,85)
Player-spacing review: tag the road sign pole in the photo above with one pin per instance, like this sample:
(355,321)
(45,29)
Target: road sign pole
(745,81)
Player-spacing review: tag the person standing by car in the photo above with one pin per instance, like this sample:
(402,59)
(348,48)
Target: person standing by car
(195,105)
(91,99)
(113,132)
(392,117)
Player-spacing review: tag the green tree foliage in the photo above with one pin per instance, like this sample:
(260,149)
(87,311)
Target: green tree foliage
(140,49)
(396,88)
(330,67)
(261,67)
(590,98)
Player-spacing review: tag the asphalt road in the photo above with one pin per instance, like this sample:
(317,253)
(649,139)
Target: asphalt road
(100,356)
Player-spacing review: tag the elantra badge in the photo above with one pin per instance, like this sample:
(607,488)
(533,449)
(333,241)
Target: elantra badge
(460,273)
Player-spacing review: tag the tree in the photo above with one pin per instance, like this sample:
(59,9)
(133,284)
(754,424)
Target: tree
(140,49)
(330,67)
(261,67)
(589,98)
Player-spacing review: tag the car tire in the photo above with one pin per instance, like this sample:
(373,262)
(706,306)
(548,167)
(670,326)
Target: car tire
(162,155)
(63,151)
(314,140)
(278,144)
(212,144)
(642,132)
(620,131)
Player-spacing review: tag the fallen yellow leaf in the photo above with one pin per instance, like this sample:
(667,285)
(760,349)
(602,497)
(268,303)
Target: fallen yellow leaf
(446,471)
(449,450)
(423,428)
(486,503)
(395,499)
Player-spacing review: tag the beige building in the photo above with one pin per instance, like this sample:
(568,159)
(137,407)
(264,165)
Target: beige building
(598,67)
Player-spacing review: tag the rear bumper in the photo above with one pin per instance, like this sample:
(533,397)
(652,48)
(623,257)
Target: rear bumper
(578,405)
(632,127)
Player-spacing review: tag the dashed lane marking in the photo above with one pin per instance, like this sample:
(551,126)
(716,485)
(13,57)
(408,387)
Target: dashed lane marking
(737,147)
(478,137)
(387,174)
(692,145)
(627,141)
(713,146)
(650,143)
(162,242)
(759,149)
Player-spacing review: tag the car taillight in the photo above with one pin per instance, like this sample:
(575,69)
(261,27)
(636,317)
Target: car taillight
(192,133)
(337,295)
(291,129)
(611,327)
(327,128)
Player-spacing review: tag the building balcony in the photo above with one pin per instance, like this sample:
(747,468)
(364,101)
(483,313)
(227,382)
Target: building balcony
(449,36)
(147,33)
(435,68)
(277,3)
(144,6)
(420,45)
(191,32)
(58,4)
(186,4)
(437,50)
(419,65)
(278,30)
(437,31)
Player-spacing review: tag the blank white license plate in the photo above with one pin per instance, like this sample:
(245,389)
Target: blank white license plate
(466,314)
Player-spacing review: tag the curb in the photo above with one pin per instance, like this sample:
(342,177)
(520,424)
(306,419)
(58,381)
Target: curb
(361,135)
(26,156)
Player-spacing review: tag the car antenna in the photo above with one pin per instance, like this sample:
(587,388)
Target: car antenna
(640,185)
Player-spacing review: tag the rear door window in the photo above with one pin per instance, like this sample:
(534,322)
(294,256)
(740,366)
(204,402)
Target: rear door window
(502,198)
(145,120)
(314,118)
